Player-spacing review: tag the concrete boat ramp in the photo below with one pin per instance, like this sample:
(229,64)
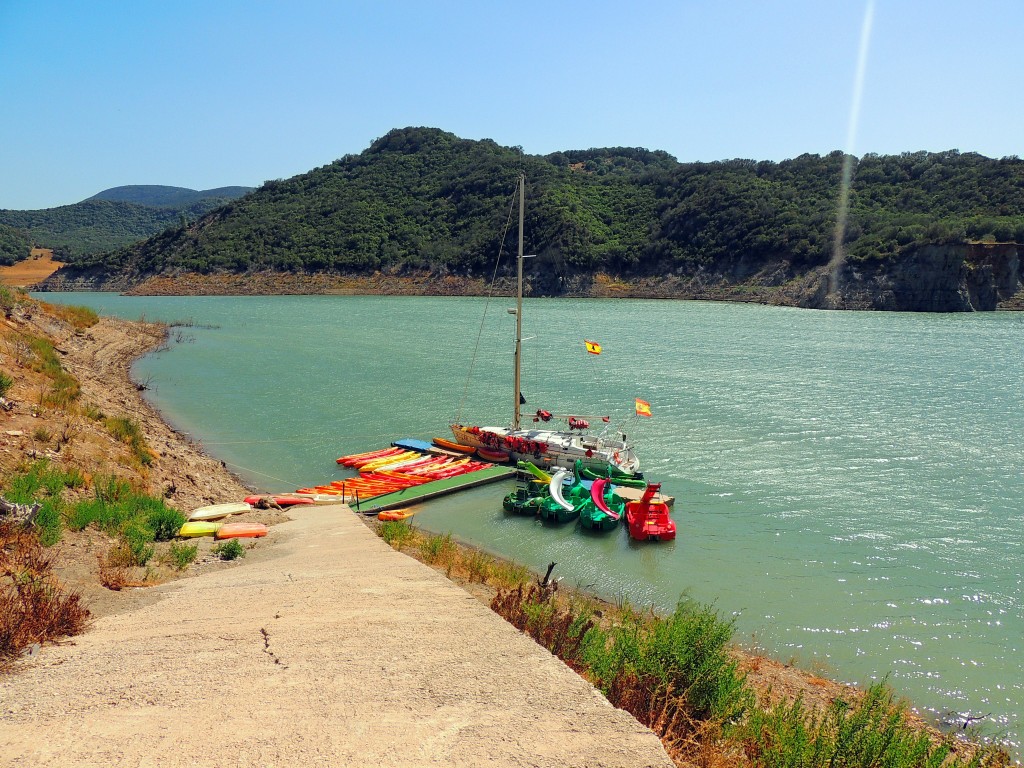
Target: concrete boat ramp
(326,648)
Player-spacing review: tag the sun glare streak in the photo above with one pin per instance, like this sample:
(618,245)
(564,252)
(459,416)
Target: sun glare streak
(838,256)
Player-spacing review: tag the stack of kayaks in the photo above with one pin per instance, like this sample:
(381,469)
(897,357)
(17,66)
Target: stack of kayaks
(393,469)
(217,511)
(208,521)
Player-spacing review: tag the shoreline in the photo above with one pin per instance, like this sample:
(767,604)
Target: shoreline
(102,357)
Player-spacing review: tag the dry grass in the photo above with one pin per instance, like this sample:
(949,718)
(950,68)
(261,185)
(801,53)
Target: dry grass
(33,606)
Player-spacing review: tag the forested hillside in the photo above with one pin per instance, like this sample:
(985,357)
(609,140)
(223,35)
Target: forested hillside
(424,199)
(114,218)
(14,245)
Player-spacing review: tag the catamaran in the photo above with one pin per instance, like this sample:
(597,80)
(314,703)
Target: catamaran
(546,447)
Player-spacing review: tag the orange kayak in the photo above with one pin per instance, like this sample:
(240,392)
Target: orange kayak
(448,445)
(395,514)
(241,531)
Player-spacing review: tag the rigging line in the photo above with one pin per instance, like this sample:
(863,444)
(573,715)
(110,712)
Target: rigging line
(262,474)
(487,304)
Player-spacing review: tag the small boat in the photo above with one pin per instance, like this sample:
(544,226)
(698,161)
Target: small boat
(561,505)
(216,511)
(648,519)
(281,501)
(498,457)
(595,513)
(412,444)
(198,528)
(396,514)
(241,531)
(449,445)
(614,475)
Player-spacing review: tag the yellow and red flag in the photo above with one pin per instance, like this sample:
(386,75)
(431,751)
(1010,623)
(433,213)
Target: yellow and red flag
(593,347)
(643,408)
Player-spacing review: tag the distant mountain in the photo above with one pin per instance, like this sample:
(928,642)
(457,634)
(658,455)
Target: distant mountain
(166,197)
(112,219)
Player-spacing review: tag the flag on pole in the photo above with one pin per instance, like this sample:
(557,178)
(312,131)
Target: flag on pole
(643,408)
(593,347)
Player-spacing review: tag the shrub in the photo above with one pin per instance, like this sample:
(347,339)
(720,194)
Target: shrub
(137,538)
(479,565)
(397,533)
(33,606)
(92,412)
(127,430)
(873,731)
(165,522)
(438,549)
(6,382)
(181,555)
(229,550)
(79,317)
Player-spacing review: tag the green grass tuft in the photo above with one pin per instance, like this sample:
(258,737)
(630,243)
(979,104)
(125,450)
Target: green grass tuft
(229,550)
(181,555)
(397,533)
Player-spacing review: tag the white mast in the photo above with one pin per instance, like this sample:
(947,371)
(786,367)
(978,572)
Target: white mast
(519,300)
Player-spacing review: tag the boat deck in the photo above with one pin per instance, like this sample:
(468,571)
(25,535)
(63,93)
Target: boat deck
(433,489)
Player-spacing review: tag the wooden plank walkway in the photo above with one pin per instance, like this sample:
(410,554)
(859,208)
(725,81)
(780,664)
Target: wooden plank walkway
(433,489)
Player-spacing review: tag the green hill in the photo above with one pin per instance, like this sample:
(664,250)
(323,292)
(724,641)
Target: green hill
(423,200)
(167,197)
(15,245)
(115,217)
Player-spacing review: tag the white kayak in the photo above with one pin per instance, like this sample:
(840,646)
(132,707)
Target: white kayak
(215,511)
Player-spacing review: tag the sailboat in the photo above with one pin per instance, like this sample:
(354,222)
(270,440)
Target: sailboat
(546,447)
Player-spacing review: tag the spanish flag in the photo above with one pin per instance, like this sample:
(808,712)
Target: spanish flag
(593,347)
(643,408)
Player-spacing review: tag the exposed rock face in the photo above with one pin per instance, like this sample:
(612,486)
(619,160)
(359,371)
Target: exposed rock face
(935,278)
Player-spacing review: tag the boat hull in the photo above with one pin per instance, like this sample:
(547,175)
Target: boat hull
(550,448)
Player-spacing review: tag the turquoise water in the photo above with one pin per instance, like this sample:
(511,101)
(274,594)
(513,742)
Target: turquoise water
(848,484)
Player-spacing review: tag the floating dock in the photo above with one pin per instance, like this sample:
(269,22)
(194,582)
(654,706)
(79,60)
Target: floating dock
(433,489)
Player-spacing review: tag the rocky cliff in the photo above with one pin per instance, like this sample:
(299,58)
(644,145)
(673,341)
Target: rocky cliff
(935,278)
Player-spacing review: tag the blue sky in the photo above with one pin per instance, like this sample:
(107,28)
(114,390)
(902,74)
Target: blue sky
(213,93)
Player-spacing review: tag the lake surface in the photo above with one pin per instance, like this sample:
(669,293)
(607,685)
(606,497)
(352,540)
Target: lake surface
(848,484)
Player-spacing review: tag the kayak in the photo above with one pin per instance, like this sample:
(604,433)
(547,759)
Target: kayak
(498,457)
(215,511)
(198,528)
(241,531)
(396,514)
(448,445)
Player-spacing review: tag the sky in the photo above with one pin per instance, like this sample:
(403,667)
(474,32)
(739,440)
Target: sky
(203,94)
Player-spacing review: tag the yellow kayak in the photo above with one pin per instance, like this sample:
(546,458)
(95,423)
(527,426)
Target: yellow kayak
(198,528)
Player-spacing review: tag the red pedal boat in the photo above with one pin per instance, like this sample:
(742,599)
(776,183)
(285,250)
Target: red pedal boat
(649,519)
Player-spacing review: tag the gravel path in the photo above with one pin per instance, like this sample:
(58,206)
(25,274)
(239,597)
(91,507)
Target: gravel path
(327,648)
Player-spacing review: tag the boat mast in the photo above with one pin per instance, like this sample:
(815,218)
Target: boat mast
(519,300)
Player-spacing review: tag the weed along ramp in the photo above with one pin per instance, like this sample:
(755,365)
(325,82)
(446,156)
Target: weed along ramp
(326,648)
